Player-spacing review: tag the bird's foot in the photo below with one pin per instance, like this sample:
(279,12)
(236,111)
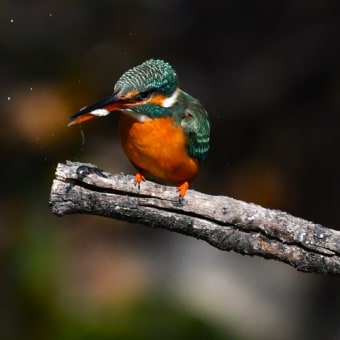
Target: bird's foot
(139,177)
(182,189)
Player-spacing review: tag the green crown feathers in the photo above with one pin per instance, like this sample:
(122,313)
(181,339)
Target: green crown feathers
(153,74)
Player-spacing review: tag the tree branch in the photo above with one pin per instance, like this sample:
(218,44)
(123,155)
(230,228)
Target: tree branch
(224,222)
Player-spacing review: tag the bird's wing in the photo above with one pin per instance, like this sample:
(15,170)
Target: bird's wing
(197,128)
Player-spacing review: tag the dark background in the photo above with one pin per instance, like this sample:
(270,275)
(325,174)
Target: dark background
(268,74)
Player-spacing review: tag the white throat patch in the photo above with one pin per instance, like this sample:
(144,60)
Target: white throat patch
(137,116)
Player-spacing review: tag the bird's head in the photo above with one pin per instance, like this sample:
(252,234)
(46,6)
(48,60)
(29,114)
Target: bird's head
(146,91)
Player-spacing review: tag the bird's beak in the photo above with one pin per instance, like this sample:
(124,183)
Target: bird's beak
(99,109)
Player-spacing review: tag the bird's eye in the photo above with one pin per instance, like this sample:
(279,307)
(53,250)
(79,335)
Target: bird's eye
(144,95)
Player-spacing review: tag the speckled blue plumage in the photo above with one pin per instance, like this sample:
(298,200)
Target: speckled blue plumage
(153,74)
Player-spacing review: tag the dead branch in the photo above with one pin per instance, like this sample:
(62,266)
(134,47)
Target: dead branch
(224,222)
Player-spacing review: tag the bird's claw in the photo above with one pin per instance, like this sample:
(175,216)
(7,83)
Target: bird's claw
(182,189)
(139,177)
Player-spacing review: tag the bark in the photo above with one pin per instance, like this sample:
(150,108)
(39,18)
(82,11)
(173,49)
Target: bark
(224,222)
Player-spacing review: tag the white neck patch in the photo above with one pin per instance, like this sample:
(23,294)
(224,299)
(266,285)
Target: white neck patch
(168,102)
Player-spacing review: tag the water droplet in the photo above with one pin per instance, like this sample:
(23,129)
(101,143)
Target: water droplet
(8,98)
(31,88)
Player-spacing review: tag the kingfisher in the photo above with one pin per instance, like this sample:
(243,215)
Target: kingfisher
(164,131)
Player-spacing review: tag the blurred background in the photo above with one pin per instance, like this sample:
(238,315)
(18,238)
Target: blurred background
(268,74)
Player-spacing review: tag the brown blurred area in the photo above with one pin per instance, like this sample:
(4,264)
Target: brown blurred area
(267,72)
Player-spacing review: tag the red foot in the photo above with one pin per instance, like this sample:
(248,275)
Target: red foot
(182,189)
(139,178)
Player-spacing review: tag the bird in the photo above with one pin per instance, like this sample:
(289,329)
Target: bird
(164,131)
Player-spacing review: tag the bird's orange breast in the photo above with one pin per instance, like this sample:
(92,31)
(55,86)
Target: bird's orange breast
(157,147)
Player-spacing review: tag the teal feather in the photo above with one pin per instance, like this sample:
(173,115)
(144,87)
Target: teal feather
(153,111)
(196,126)
(153,74)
